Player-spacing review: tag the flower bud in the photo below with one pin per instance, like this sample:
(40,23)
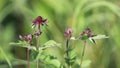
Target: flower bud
(68,32)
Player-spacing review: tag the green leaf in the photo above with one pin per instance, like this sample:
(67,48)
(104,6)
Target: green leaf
(23,44)
(72,54)
(55,62)
(34,54)
(86,63)
(84,37)
(50,43)
(19,62)
(54,49)
(92,40)
(47,59)
(99,37)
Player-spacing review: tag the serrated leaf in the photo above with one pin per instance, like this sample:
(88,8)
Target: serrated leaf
(72,54)
(55,62)
(50,43)
(85,63)
(99,37)
(50,60)
(55,52)
(92,40)
(22,44)
(34,54)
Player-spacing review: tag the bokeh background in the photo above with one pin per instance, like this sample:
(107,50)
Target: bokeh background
(102,16)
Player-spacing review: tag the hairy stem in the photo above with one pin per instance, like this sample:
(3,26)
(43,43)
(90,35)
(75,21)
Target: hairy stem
(67,53)
(28,57)
(83,52)
(37,43)
(37,48)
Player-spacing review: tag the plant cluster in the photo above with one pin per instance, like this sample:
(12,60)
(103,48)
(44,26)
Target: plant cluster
(37,53)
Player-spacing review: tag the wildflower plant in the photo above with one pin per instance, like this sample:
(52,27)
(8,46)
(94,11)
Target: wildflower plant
(67,34)
(37,23)
(87,35)
(37,53)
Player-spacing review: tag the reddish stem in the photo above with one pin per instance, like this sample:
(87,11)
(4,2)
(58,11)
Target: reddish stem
(37,48)
(28,57)
(83,52)
(67,53)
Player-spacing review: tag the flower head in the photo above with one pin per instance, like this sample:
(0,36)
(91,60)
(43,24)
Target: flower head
(86,34)
(39,21)
(68,32)
(38,32)
(28,37)
(87,31)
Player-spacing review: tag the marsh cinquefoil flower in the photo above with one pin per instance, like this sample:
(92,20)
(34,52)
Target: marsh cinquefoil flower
(86,34)
(39,21)
(67,34)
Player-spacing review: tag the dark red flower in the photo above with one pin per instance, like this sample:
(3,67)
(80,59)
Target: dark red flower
(86,34)
(87,31)
(39,21)
(91,35)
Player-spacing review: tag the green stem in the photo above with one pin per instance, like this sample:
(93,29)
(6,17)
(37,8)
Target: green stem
(67,53)
(37,48)
(28,54)
(83,52)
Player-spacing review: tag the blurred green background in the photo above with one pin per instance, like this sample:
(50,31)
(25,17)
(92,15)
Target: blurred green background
(102,16)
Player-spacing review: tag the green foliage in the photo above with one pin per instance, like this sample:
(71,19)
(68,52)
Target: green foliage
(102,16)
(45,53)
(84,37)
(86,63)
